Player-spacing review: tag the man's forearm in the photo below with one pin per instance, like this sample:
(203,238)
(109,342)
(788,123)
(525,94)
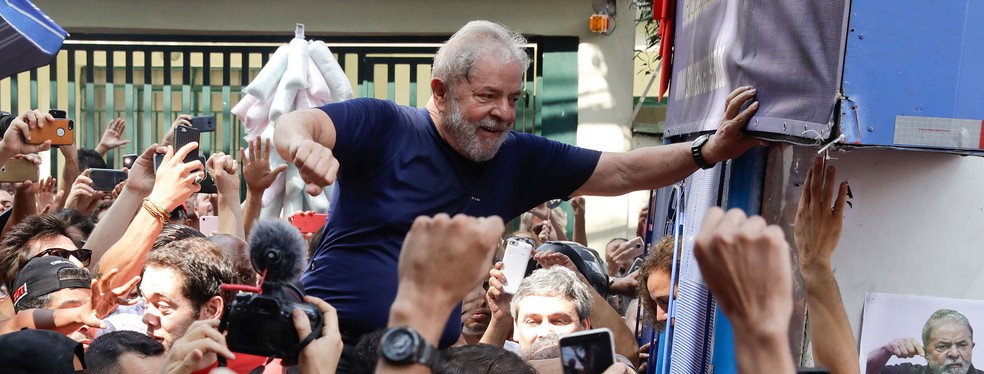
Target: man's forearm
(111,229)
(130,253)
(641,169)
(763,353)
(834,346)
(231,215)
(251,209)
(877,360)
(580,235)
(294,127)
(25,205)
(497,332)
(422,312)
(70,172)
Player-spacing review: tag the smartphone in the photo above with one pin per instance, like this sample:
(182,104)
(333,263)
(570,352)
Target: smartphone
(514,261)
(309,223)
(61,132)
(208,184)
(208,225)
(106,179)
(17,170)
(637,242)
(184,135)
(203,123)
(129,159)
(589,352)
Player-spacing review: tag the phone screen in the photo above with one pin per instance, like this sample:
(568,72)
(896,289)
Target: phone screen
(587,352)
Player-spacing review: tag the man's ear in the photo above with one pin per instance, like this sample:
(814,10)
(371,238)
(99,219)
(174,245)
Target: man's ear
(212,308)
(586,324)
(440,93)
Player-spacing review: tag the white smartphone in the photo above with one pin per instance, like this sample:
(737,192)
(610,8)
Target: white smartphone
(514,262)
(590,351)
(636,242)
(208,225)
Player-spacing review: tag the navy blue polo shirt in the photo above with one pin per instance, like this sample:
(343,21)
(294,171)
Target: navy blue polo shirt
(394,167)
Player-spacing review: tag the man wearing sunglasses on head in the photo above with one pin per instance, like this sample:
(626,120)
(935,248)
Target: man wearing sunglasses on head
(37,236)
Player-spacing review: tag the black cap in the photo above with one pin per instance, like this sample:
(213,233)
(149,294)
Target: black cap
(44,275)
(39,351)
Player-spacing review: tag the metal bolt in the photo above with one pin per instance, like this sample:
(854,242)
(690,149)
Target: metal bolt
(871,129)
(860,36)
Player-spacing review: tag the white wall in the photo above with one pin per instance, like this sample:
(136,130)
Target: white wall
(916,226)
(605,62)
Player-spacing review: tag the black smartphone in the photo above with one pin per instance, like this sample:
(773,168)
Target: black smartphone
(129,159)
(587,352)
(58,113)
(208,184)
(203,123)
(184,135)
(106,179)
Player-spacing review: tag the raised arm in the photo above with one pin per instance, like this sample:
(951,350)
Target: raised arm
(428,292)
(306,138)
(654,167)
(746,265)
(70,171)
(258,176)
(580,235)
(819,220)
(225,172)
(139,183)
(174,183)
(113,137)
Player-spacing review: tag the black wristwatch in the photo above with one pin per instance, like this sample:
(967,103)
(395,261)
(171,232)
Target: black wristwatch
(696,149)
(404,346)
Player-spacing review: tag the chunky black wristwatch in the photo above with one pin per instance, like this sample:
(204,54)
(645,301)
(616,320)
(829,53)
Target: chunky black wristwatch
(696,149)
(404,346)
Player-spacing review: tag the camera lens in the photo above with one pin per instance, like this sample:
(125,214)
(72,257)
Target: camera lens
(71,125)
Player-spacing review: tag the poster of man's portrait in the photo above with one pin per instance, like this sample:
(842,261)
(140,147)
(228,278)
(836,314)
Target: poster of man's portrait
(920,334)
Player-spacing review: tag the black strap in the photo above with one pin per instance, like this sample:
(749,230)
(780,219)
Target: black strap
(315,333)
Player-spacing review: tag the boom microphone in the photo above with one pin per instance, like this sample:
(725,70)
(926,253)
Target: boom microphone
(277,248)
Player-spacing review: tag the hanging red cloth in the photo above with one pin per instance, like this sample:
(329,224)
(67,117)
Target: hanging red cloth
(664,11)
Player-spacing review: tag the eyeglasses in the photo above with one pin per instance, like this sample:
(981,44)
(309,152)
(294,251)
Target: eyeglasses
(83,255)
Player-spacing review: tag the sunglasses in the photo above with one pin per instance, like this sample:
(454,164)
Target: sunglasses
(83,255)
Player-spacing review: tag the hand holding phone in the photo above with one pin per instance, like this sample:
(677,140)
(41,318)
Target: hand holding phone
(628,251)
(61,131)
(514,262)
(590,351)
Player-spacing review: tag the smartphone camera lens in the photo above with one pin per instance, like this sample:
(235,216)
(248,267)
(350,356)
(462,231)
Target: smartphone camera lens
(71,125)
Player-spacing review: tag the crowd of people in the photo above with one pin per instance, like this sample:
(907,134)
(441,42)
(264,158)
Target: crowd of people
(407,274)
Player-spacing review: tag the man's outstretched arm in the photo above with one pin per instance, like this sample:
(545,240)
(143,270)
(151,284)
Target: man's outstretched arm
(654,167)
(819,220)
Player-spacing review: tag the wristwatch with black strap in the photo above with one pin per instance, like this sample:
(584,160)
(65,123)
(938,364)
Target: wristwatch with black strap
(404,346)
(697,150)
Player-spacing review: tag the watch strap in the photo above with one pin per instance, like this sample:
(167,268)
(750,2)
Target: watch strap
(697,150)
